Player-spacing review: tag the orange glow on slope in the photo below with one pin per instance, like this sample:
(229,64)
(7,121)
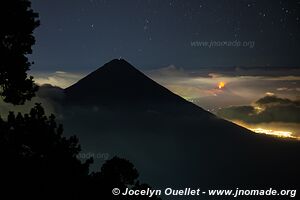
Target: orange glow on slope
(221,85)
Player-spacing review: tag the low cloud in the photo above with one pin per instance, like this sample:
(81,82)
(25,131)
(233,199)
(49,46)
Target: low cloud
(49,96)
(59,78)
(243,84)
(265,110)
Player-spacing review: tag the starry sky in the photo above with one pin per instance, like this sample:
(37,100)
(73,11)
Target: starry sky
(85,34)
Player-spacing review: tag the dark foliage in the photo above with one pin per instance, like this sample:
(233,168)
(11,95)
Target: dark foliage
(38,162)
(17,22)
(117,173)
(36,158)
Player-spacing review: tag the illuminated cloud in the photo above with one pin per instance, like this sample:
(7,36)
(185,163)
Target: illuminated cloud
(59,78)
(268,109)
(243,84)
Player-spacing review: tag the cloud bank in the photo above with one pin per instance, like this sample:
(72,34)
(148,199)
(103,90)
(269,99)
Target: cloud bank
(59,78)
(265,110)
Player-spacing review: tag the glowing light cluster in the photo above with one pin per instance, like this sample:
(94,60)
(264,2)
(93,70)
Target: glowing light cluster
(258,109)
(221,85)
(286,134)
(269,131)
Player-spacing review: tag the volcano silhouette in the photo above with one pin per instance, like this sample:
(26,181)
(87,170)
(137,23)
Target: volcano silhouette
(172,141)
(118,81)
(119,85)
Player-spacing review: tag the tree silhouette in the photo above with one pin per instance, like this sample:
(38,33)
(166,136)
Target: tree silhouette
(32,148)
(17,24)
(38,161)
(117,173)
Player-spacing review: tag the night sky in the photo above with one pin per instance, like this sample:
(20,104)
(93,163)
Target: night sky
(85,34)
